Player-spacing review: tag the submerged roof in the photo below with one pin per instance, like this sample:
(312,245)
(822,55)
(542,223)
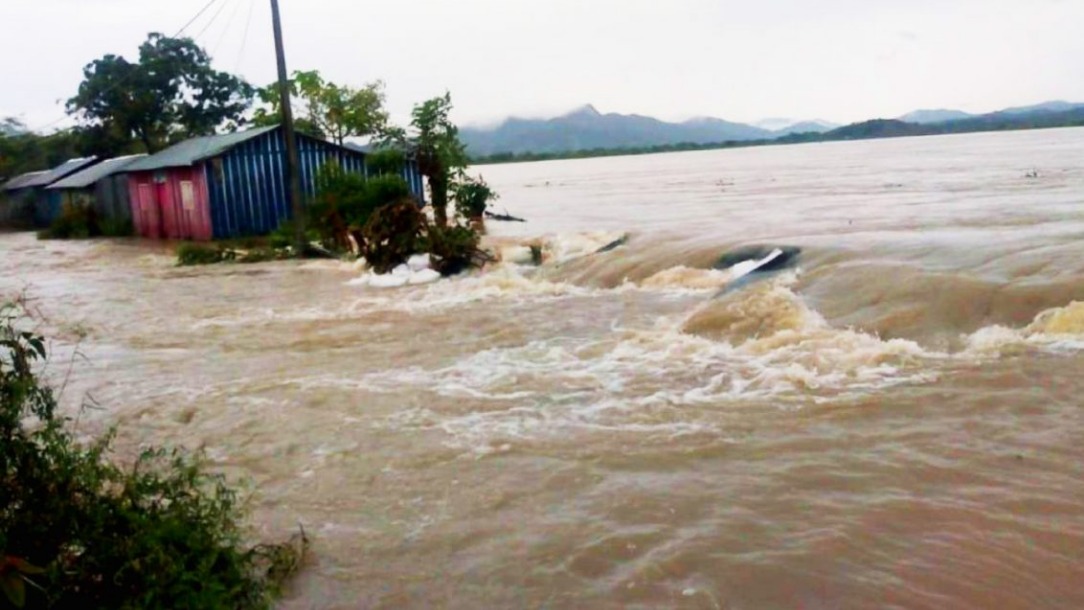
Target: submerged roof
(195,150)
(64,169)
(94,173)
(20,181)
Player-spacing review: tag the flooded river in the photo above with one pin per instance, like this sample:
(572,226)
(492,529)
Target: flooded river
(899,422)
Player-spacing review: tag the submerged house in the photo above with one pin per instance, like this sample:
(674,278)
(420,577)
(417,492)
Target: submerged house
(46,203)
(104,187)
(230,185)
(16,200)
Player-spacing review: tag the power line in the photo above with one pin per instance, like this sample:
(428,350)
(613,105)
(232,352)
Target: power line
(244,38)
(226,30)
(212,20)
(193,20)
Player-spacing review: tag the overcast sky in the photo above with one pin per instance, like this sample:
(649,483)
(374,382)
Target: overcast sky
(840,60)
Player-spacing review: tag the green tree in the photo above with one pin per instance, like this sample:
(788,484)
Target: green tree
(171,93)
(325,109)
(435,146)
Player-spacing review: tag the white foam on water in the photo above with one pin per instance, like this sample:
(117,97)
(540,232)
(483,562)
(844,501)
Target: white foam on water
(1060,329)
(570,246)
(759,343)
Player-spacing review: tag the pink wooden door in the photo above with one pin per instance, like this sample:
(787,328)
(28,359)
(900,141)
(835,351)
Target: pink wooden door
(148,212)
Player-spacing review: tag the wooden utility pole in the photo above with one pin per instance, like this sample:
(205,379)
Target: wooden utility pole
(292,164)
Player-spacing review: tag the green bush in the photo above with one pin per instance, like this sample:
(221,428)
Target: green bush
(79,531)
(472,197)
(345,202)
(200,254)
(393,234)
(453,249)
(80,221)
(386,161)
(75,221)
(115,227)
(283,237)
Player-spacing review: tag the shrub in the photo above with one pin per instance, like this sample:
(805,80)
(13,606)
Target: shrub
(199,254)
(393,234)
(75,221)
(472,196)
(78,531)
(115,227)
(283,237)
(386,161)
(80,221)
(345,202)
(453,249)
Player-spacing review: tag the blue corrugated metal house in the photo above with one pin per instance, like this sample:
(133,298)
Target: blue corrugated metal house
(230,185)
(16,201)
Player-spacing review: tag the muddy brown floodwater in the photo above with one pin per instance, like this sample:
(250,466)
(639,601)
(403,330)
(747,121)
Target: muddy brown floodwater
(897,423)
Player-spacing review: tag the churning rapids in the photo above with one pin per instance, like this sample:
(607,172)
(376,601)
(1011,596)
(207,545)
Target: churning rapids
(898,422)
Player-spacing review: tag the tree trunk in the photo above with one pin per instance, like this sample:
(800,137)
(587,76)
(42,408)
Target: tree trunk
(438,184)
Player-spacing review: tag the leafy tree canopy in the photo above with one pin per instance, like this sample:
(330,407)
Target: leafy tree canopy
(22,151)
(434,142)
(325,109)
(171,93)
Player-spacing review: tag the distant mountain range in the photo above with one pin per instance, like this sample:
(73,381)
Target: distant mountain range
(587,129)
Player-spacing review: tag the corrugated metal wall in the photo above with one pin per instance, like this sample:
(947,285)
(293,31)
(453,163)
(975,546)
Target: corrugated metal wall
(111,198)
(170,204)
(248,192)
(46,206)
(17,209)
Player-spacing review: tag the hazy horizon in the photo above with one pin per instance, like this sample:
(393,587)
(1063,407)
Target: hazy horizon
(840,61)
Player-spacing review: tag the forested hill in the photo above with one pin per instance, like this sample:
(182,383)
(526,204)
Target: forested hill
(587,128)
(598,142)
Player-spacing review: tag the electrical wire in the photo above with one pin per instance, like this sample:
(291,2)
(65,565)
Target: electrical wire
(193,20)
(212,20)
(226,30)
(244,37)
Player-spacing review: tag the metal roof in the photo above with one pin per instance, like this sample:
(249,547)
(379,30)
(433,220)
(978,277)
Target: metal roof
(20,181)
(193,151)
(361,148)
(64,169)
(94,173)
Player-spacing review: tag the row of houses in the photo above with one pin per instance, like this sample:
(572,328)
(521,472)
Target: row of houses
(211,187)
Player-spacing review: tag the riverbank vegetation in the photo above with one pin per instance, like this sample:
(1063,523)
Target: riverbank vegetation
(376,217)
(171,93)
(80,528)
(77,221)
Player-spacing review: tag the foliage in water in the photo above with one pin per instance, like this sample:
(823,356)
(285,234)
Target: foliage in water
(393,234)
(79,530)
(472,197)
(74,222)
(199,254)
(453,249)
(79,221)
(346,201)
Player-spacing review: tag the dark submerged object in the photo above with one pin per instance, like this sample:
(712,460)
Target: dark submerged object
(505,217)
(786,260)
(617,243)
